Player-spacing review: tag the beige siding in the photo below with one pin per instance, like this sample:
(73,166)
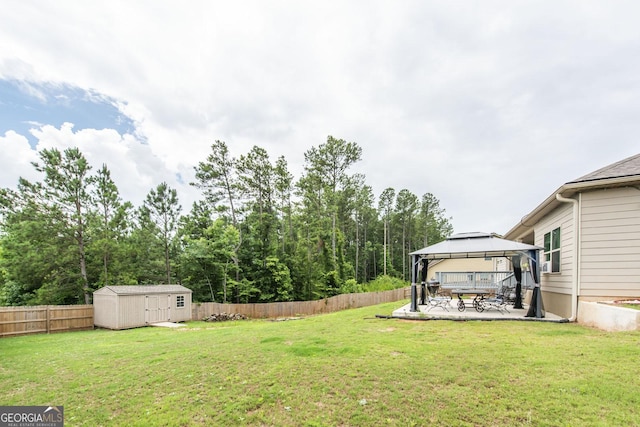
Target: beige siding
(610,250)
(130,311)
(122,307)
(460,265)
(104,310)
(180,314)
(118,311)
(561,217)
(555,303)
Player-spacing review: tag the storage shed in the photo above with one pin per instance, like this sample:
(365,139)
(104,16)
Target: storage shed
(123,307)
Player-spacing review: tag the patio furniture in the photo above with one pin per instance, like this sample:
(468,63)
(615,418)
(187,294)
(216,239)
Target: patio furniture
(475,303)
(443,302)
(504,296)
(508,293)
(435,298)
(493,303)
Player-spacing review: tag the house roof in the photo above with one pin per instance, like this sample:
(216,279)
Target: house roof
(623,173)
(628,167)
(474,245)
(143,289)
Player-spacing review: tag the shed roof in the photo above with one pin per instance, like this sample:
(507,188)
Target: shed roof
(474,245)
(143,289)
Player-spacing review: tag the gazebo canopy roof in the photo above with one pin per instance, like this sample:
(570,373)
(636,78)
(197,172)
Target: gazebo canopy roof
(474,245)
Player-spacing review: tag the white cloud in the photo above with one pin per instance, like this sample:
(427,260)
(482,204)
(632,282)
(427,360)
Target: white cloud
(134,168)
(16,159)
(489,106)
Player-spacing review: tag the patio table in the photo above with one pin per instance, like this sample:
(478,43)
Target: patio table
(479,295)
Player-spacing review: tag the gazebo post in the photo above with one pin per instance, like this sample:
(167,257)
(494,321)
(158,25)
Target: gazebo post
(415,259)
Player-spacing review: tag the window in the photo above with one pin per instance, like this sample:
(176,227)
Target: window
(552,249)
(180,301)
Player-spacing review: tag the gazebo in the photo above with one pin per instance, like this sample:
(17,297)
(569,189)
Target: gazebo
(480,245)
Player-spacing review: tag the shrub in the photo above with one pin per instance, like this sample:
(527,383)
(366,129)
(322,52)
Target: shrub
(384,283)
(350,286)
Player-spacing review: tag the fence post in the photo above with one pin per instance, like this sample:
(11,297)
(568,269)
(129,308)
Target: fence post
(48,320)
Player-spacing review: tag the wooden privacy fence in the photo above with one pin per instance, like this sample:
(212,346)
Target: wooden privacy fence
(62,318)
(45,318)
(200,311)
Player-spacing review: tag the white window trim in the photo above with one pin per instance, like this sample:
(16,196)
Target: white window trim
(178,299)
(549,254)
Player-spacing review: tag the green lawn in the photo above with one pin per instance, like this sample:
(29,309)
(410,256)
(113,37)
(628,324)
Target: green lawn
(341,369)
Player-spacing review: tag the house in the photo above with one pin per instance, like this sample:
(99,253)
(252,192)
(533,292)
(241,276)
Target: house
(590,231)
(123,307)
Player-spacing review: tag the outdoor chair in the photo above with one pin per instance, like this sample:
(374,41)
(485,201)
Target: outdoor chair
(507,293)
(498,303)
(435,299)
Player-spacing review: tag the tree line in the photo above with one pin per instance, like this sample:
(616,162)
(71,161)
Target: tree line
(256,235)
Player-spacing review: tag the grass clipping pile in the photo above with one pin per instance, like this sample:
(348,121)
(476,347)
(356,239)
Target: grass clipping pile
(224,317)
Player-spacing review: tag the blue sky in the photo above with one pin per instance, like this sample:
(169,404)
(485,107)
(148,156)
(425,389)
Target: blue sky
(26,105)
(490,106)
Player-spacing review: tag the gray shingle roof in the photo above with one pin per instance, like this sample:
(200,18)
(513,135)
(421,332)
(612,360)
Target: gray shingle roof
(143,289)
(627,167)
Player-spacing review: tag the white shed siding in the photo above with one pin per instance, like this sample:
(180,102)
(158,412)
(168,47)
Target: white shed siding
(130,311)
(180,314)
(105,310)
(561,217)
(122,307)
(610,251)
(157,308)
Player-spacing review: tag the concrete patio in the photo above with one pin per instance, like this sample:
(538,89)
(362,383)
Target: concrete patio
(428,312)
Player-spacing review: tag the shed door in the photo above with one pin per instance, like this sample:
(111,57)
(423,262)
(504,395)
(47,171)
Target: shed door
(157,308)
(164,309)
(151,309)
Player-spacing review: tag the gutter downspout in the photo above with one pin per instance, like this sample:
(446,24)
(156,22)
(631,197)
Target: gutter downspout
(576,254)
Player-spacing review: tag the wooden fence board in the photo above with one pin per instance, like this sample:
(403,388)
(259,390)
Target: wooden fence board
(200,311)
(45,318)
(60,318)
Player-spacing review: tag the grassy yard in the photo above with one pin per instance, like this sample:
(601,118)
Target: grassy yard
(341,369)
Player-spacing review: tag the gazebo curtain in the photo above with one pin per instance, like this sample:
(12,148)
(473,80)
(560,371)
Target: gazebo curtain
(517,273)
(536,307)
(424,267)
